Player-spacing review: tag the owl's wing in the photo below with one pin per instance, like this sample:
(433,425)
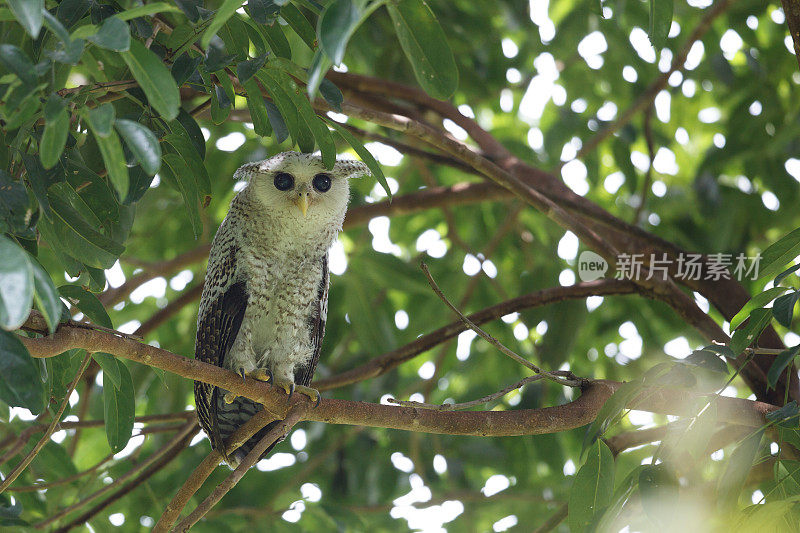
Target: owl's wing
(316,326)
(216,331)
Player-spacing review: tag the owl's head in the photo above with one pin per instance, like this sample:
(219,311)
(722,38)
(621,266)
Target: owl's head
(297,187)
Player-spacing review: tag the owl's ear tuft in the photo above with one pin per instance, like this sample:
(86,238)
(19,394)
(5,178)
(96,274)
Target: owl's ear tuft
(245,172)
(350,168)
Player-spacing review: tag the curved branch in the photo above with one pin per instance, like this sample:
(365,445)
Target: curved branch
(334,411)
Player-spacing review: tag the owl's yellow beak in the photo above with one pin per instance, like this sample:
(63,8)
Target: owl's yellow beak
(303,202)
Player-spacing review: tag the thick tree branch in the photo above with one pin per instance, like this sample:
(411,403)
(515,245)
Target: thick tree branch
(477,423)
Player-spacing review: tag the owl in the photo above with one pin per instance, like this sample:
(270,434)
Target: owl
(265,298)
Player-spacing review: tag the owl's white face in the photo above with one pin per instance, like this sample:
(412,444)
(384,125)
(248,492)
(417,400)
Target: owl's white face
(296,188)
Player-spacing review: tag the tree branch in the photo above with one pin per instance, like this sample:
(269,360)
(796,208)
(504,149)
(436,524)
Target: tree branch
(294,415)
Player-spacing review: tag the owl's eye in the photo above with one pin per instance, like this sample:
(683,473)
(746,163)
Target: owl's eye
(322,182)
(283,181)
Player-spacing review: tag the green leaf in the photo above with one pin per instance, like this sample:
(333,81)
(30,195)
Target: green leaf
(593,487)
(87,303)
(55,26)
(287,109)
(16,285)
(72,234)
(182,144)
(274,36)
(20,381)
(780,277)
(320,64)
(299,23)
(177,174)
(118,410)
(318,128)
(335,27)
(101,120)
(263,11)
(114,159)
(276,121)
(331,93)
(425,46)
(787,416)
(719,349)
(659,489)
(193,131)
(247,69)
(782,360)
(154,78)
(225,11)
(40,179)
(363,153)
(258,111)
(783,308)
(15,60)
(46,297)
(660,22)
(142,142)
(110,366)
(759,300)
(707,360)
(777,255)
(113,34)
(15,206)
(183,67)
(739,464)
(29,14)
(54,460)
(56,130)
(149,9)
(744,337)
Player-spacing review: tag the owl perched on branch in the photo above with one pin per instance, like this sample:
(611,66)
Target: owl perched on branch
(265,298)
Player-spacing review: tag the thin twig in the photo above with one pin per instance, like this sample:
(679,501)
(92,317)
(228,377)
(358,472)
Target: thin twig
(204,469)
(63,481)
(122,479)
(648,176)
(50,429)
(164,456)
(292,417)
(494,342)
(467,405)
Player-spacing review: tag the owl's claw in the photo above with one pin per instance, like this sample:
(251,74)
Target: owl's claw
(290,388)
(242,373)
(313,394)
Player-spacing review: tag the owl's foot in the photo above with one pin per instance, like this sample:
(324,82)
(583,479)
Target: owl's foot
(261,374)
(230,397)
(313,394)
(290,388)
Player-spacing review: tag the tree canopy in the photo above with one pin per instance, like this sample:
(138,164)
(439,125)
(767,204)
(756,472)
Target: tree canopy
(603,196)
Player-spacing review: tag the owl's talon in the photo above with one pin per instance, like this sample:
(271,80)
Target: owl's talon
(287,386)
(313,394)
(242,373)
(261,374)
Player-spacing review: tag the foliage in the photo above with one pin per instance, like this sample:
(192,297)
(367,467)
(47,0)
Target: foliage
(123,122)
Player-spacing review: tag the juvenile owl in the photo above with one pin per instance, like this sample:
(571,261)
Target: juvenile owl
(265,298)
